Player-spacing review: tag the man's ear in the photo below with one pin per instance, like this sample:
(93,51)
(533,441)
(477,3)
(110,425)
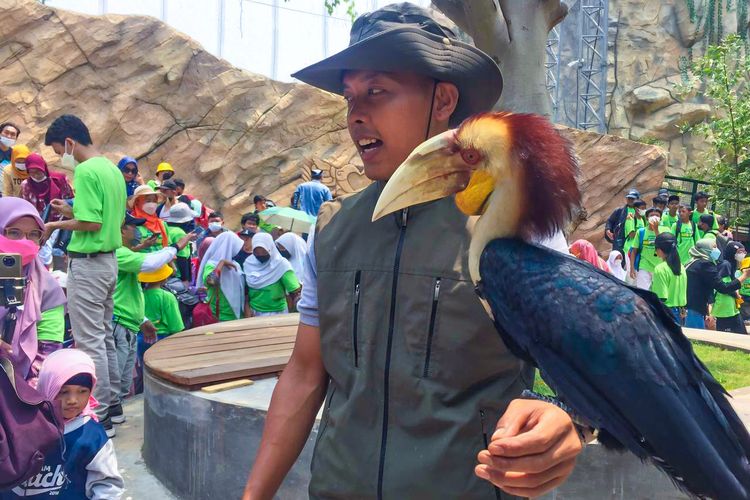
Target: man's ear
(446,100)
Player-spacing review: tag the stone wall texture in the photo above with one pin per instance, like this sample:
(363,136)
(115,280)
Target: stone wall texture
(148,91)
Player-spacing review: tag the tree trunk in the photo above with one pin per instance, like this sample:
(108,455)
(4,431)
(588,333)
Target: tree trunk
(514,33)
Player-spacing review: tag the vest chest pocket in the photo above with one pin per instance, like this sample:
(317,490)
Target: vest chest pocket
(431,327)
(355,317)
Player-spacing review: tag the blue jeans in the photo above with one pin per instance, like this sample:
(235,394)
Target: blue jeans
(695,320)
(676,315)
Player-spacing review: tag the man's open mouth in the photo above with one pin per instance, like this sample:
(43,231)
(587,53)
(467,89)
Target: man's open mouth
(369,144)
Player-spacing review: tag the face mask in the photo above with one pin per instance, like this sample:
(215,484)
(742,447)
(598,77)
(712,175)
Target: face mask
(214,227)
(167,175)
(150,207)
(8,143)
(26,248)
(262,259)
(739,256)
(653,220)
(738,274)
(68,160)
(641,212)
(715,254)
(41,179)
(285,254)
(21,166)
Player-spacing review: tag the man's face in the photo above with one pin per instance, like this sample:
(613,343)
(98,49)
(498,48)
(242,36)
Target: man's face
(179,190)
(660,206)
(630,201)
(216,220)
(10,132)
(684,214)
(701,204)
(673,206)
(250,225)
(169,193)
(128,235)
(387,117)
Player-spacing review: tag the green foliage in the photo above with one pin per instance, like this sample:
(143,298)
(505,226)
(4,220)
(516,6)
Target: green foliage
(711,18)
(723,74)
(332,4)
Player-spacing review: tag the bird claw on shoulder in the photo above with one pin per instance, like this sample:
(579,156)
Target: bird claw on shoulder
(586,432)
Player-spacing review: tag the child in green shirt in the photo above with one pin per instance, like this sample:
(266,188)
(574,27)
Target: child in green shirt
(162,308)
(670,279)
(643,253)
(686,233)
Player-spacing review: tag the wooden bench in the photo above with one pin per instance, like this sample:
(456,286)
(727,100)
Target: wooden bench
(217,353)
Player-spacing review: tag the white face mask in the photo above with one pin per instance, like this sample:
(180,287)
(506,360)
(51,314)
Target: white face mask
(21,166)
(150,207)
(214,227)
(7,142)
(641,212)
(40,179)
(739,257)
(68,160)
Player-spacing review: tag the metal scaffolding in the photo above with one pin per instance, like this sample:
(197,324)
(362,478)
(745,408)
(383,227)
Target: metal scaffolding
(552,70)
(592,65)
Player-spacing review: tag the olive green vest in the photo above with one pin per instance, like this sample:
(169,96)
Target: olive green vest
(418,374)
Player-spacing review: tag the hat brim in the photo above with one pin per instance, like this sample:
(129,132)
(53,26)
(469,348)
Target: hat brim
(134,221)
(182,220)
(159,198)
(410,49)
(156,276)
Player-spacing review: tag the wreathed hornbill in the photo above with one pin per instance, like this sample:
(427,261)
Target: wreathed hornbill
(612,352)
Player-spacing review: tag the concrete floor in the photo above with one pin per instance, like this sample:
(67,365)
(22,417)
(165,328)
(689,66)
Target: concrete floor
(140,484)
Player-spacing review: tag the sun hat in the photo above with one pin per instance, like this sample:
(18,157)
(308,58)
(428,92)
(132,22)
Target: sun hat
(160,274)
(143,190)
(164,167)
(403,37)
(180,213)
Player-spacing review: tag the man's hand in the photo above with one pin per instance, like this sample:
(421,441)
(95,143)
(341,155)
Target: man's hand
(532,451)
(49,228)
(610,234)
(147,243)
(62,208)
(149,332)
(185,240)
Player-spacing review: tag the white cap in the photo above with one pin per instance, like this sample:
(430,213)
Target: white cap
(180,213)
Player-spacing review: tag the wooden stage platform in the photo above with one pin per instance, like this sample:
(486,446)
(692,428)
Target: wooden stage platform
(245,348)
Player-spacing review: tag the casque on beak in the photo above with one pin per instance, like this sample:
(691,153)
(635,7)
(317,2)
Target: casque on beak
(434,170)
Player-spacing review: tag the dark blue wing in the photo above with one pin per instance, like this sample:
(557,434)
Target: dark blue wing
(615,355)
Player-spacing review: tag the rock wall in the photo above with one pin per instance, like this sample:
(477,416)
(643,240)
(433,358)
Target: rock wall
(648,42)
(148,91)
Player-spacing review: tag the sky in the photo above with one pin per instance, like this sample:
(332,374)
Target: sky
(271,37)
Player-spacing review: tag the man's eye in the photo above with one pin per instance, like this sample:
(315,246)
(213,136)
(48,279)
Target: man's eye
(375,91)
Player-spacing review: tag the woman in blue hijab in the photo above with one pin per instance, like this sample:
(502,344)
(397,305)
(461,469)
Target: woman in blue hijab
(129,168)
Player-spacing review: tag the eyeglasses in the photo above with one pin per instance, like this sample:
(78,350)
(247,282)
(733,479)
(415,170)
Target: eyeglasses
(17,234)
(129,170)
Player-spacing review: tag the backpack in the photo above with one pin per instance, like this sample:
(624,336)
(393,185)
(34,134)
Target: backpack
(186,300)
(678,228)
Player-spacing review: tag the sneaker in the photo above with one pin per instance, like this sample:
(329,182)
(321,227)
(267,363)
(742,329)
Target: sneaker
(108,427)
(116,414)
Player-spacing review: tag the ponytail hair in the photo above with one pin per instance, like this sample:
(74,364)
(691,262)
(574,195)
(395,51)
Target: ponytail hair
(667,243)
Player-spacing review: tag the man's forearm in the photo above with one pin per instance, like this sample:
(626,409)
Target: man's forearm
(294,405)
(75,225)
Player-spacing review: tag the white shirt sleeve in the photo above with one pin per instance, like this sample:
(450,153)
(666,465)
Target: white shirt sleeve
(157,260)
(103,481)
(308,302)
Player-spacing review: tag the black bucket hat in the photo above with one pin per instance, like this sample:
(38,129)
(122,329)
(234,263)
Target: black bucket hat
(404,37)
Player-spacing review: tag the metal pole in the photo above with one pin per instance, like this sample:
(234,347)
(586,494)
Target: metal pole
(164,10)
(325,31)
(103,7)
(275,40)
(220,41)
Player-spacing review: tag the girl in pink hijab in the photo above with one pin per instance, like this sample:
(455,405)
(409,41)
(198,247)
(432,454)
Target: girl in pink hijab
(584,250)
(84,465)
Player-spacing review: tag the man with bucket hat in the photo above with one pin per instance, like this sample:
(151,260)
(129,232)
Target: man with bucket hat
(416,382)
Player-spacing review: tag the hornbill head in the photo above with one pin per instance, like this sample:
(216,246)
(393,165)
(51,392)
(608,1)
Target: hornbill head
(514,170)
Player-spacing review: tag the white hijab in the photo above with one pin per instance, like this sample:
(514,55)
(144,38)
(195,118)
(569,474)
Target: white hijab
(616,267)
(298,249)
(225,247)
(260,275)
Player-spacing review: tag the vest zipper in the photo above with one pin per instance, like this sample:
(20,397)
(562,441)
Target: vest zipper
(389,343)
(357,277)
(431,331)
(485,437)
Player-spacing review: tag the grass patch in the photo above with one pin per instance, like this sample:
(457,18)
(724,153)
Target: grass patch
(730,368)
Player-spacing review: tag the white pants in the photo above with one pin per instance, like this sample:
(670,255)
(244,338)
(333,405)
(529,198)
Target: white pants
(643,280)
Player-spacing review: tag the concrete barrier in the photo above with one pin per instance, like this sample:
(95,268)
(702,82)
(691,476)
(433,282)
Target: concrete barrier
(201,446)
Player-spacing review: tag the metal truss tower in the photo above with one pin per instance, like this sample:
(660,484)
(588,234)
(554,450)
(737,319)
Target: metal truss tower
(552,70)
(592,65)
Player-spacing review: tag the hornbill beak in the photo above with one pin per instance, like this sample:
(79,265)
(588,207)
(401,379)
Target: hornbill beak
(434,170)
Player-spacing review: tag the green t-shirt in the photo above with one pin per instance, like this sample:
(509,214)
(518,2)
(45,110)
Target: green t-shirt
(175,234)
(128,297)
(145,233)
(685,240)
(667,219)
(745,288)
(648,260)
(226,313)
(273,297)
(706,236)
(631,224)
(153,183)
(163,310)
(100,197)
(668,287)
(725,306)
(696,217)
(51,326)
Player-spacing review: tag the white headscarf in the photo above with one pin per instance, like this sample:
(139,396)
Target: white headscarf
(225,247)
(298,249)
(616,267)
(259,275)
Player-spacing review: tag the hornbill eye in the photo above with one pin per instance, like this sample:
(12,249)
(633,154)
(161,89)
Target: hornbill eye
(471,156)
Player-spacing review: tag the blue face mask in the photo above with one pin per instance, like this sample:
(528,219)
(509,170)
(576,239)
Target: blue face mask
(737,274)
(715,254)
